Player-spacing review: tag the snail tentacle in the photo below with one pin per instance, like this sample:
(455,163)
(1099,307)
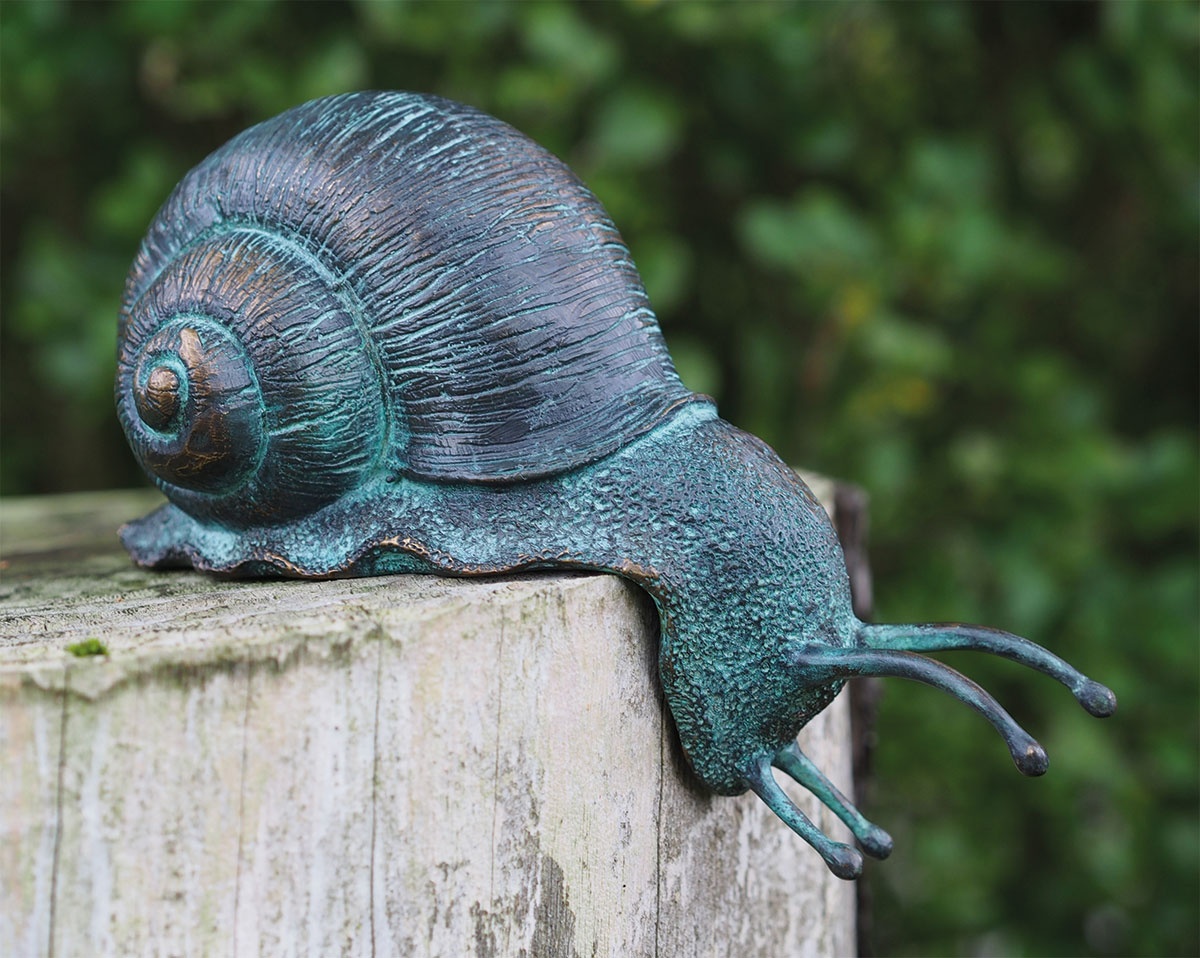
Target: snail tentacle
(1097,699)
(874,840)
(814,660)
(843,861)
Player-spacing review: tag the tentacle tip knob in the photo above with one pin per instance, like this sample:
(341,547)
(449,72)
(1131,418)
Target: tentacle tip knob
(1033,761)
(1097,699)
(845,862)
(877,843)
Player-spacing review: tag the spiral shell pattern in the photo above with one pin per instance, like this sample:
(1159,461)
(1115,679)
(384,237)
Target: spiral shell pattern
(380,284)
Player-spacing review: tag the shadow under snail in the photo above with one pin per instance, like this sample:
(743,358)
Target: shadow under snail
(385,332)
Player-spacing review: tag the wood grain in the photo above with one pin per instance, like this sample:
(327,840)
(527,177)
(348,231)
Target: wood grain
(389,766)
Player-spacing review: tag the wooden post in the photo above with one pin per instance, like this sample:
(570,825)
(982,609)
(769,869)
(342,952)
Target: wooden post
(403,765)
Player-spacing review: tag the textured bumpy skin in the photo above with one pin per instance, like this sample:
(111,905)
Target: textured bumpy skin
(383,332)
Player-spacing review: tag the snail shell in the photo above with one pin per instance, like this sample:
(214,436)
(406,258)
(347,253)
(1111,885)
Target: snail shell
(380,283)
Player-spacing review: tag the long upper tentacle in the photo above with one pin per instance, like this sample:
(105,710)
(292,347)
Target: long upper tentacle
(875,841)
(938,637)
(822,662)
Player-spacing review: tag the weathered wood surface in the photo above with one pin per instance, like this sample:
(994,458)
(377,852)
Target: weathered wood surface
(391,766)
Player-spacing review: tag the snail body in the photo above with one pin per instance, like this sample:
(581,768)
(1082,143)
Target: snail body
(384,332)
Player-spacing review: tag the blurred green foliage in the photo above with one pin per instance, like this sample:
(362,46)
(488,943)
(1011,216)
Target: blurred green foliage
(947,251)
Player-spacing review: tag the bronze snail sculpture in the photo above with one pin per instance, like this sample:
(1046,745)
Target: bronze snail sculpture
(384,332)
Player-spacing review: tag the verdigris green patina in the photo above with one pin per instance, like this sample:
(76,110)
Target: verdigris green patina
(384,332)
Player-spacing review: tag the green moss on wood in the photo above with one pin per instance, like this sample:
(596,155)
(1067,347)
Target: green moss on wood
(88,647)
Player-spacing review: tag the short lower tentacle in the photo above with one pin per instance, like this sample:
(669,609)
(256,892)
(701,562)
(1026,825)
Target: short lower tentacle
(843,861)
(939,637)
(874,840)
(821,663)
